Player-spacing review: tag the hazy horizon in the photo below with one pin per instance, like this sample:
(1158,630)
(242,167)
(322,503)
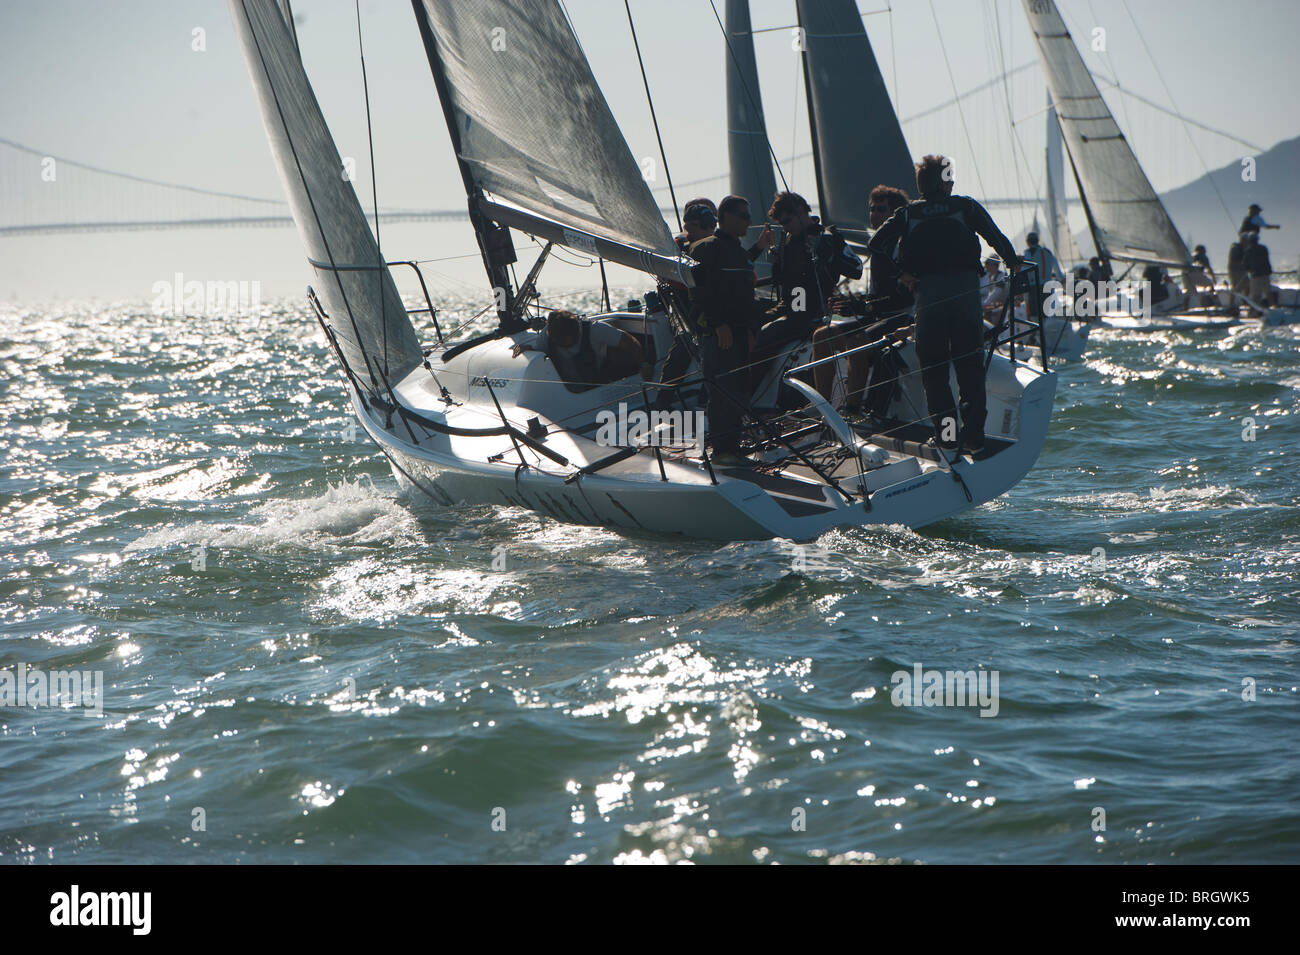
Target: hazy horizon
(119,86)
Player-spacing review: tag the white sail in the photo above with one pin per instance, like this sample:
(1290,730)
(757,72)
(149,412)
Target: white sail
(366,314)
(1058,219)
(537,136)
(1128,219)
(747,143)
(858,143)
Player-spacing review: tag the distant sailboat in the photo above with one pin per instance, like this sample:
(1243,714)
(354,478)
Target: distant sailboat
(474,422)
(1126,217)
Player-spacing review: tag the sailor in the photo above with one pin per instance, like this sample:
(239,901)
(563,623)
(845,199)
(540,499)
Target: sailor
(884,310)
(1048,270)
(939,258)
(1201,274)
(1166,296)
(1254,221)
(993,284)
(699,219)
(1098,271)
(806,266)
(587,353)
(1257,264)
(1238,281)
(727,316)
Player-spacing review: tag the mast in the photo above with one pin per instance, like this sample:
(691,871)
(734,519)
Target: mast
(493,241)
(812,115)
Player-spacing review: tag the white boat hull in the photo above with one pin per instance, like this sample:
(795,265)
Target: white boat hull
(744,503)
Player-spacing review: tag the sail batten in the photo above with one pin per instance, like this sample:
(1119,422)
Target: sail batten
(366,314)
(857,140)
(1127,218)
(534,129)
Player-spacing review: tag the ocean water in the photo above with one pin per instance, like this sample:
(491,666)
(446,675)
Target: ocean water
(301,664)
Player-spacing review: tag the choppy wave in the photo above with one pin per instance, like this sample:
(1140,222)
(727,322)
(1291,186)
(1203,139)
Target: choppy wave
(333,670)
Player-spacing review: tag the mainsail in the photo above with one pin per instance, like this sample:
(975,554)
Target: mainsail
(747,143)
(535,135)
(1128,220)
(366,314)
(857,140)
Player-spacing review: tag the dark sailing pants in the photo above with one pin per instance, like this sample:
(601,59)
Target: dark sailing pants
(949,329)
(675,366)
(727,377)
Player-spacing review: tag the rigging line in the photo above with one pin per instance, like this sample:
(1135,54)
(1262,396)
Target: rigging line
(1205,169)
(953,80)
(141,179)
(749,94)
(374,191)
(1105,50)
(893,55)
(654,118)
(1006,95)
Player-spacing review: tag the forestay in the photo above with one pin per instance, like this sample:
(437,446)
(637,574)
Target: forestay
(1128,219)
(536,133)
(857,141)
(365,312)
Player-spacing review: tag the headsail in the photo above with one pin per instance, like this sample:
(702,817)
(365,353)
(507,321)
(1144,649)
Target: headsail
(1128,219)
(1058,218)
(857,141)
(747,142)
(365,312)
(536,135)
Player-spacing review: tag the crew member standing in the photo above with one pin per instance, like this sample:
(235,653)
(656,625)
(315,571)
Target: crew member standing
(1048,270)
(939,257)
(699,220)
(1237,280)
(727,315)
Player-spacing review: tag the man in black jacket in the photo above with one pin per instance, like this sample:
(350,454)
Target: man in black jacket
(727,316)
(1237,279)
(1257,264)
(806,266)
(885,310)
(939,259)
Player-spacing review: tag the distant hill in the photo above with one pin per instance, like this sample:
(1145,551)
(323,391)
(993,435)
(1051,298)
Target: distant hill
(1198,214)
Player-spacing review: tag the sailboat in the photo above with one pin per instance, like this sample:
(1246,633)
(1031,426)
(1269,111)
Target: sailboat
(1127,220)
(474,423)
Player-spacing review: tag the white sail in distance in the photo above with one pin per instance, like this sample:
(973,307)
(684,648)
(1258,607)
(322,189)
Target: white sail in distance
(537,135)
(1058,218)
(1128,220)
(366,314)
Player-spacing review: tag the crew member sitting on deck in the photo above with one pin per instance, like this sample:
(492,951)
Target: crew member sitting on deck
(587,353)
(806,267)
(885,310)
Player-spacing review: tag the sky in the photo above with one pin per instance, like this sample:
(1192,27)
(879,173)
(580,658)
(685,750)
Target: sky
(119,84)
